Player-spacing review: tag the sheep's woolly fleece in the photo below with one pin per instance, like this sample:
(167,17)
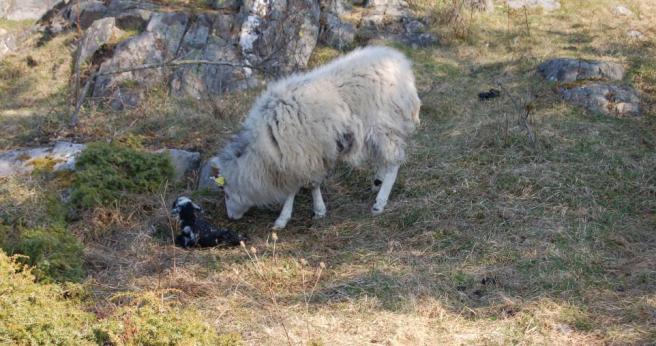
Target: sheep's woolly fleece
(358,108)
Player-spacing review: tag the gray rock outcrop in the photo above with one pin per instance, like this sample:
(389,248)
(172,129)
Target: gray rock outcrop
(25,9)
(589,84)
(61,156)
(547,5)
(567,70)
(604,98)
(183,161)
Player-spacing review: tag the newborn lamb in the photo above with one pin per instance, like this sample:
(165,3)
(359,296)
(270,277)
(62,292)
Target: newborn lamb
(196,231)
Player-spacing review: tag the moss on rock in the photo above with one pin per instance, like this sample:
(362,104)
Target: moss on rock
(106,172)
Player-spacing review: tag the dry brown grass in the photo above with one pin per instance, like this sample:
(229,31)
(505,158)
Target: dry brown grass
(487,239)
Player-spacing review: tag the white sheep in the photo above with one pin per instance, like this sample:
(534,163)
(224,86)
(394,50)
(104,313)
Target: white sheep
(359,109)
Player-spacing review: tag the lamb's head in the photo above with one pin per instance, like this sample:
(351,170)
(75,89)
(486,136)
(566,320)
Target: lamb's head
(185,210)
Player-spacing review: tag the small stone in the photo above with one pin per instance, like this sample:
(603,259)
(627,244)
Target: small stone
(635,34)
(622,11)
(547,5)
(183,161)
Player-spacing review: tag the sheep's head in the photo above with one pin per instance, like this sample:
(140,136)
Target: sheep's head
(225,173)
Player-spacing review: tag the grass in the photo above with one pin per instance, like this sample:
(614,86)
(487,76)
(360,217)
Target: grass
(487,239)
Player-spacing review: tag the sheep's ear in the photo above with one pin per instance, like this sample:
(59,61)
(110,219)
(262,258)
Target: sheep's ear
(196,206)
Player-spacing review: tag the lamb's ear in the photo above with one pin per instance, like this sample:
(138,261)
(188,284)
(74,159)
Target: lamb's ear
(196,206)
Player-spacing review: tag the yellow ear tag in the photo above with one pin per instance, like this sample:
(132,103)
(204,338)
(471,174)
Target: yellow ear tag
(219,180)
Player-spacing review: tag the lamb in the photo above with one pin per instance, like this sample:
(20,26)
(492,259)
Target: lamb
(358,109)
(196,231)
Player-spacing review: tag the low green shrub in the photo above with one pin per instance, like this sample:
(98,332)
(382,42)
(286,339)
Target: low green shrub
(54,253)
(106,172)
(33,313)
(149,321)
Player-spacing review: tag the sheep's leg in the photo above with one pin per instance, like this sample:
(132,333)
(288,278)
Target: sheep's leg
(317,202)
(389,178)
(378,180)
(286,213)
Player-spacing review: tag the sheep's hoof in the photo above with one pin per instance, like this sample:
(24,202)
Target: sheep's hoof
(279,226)
(318,214)
(375,210)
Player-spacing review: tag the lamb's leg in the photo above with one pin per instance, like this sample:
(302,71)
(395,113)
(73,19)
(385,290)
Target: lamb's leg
(317,201)
(389,178)
(285,214)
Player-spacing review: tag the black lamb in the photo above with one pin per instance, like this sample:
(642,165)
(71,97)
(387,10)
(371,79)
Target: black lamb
(195,231)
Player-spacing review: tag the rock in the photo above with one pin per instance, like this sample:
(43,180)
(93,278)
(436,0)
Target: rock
(547,5)
(211,37)
(622,11)
(126,97)
(183,161)
(62,156)
(337,7)
(7,42)
(566,70)
(25,9)
(393,20)
(98,34)
(604,98)
(480,5)
(207,172)
(233,5)
(86,13)
(635,34)
(135,19)
(159,43)
(280,36)
(335,33)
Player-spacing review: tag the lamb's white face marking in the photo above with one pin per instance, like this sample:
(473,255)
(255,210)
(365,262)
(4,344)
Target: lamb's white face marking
(179,203)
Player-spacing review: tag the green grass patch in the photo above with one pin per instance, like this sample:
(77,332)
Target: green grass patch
(54,252)
(106,172)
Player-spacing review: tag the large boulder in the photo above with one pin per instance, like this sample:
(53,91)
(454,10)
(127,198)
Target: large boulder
(158,44)
(25,9)
(279,36)
(61,156)
(565,70)
(589,84)
(393,20)
(101,32)
(182,161)
(335,32)
(211,37)
(7,42)
(604,98)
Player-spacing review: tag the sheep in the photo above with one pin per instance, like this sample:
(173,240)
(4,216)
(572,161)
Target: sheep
(196,231)
(358,109)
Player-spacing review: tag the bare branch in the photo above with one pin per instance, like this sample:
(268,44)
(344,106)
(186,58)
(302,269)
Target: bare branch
(175,63)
